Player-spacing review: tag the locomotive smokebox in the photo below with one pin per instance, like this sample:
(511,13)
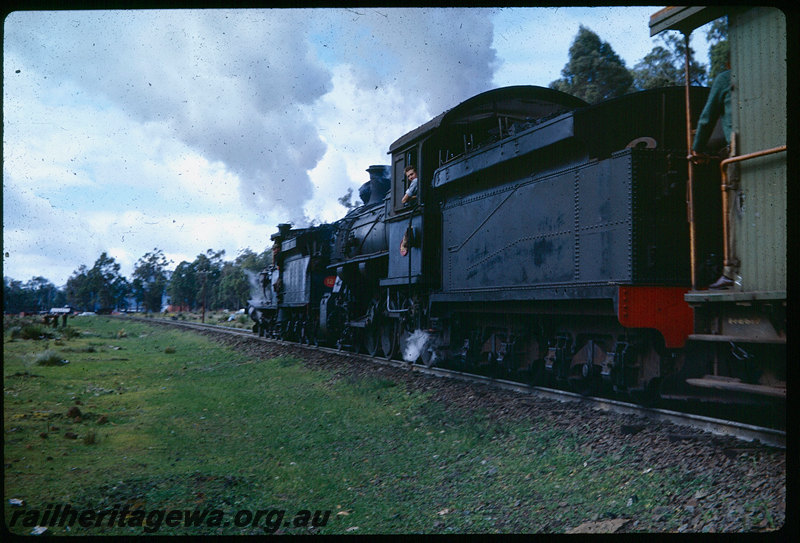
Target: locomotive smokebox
(374,191)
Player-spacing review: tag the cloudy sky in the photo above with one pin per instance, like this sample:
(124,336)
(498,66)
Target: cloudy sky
(126,131)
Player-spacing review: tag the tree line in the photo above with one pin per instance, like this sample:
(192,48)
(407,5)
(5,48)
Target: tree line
(208,281)
(594,72)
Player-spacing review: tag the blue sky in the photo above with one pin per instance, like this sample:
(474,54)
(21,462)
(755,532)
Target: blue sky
(126,131)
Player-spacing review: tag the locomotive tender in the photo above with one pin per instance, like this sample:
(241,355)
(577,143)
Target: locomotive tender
(549,239)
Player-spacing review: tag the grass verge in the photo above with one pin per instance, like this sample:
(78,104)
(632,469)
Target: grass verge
(146,419)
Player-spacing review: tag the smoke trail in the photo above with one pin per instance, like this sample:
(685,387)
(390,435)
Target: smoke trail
(257,292)
(416,344)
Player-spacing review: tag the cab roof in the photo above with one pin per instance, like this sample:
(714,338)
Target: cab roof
(524,101)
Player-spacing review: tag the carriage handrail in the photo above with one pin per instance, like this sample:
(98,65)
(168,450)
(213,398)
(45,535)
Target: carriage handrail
(724,186)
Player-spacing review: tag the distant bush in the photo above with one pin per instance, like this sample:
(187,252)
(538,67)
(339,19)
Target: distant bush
(12,321)
(70,333)
(35,331)
(49,358)
(87,349)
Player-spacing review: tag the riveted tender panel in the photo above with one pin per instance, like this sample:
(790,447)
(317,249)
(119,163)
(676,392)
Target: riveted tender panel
(570,227)
(610,222)
(511,236)
(603,221)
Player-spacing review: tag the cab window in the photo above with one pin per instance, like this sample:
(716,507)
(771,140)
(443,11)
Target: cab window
(401,183)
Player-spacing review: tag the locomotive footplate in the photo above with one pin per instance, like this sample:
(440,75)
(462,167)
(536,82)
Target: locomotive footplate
(734,384)
(749,317)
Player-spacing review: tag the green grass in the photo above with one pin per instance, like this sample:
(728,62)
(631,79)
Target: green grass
(192,425)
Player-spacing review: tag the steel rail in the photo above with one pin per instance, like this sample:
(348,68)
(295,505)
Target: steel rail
(746,432)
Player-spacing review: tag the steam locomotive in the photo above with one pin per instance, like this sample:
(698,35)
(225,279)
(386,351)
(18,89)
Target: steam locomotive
(551,240)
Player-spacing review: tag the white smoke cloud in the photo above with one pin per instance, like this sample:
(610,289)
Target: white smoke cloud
(394,69)
(419,342)
(437,56)
(230,85)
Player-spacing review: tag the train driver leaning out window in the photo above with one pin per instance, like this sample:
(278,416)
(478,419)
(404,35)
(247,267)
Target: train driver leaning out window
(413,186)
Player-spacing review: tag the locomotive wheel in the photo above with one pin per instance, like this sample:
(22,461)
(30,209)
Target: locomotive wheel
(308,334)
(313,337)
(372,339)
(357,341)
(538,375)
(427,356)
(588,383)
(650,396)
(643,380)
(372,332)
(584,375)
(388,337)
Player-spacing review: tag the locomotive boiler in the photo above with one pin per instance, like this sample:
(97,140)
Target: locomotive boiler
(358,260)
(317,289)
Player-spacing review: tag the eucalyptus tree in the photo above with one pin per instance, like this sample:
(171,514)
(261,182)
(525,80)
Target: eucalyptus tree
(594,71)
(151,273)
(664,65)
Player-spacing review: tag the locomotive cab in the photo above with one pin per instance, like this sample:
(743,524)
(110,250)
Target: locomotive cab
(405,222)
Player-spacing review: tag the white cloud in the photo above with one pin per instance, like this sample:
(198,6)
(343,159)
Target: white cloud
(33,238)
(438,56)
(226,84)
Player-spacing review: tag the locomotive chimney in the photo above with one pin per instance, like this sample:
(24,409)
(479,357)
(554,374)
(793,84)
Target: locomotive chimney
(378,183)
(283,229)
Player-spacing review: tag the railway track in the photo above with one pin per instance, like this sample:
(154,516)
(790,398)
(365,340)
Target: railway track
(746,432)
